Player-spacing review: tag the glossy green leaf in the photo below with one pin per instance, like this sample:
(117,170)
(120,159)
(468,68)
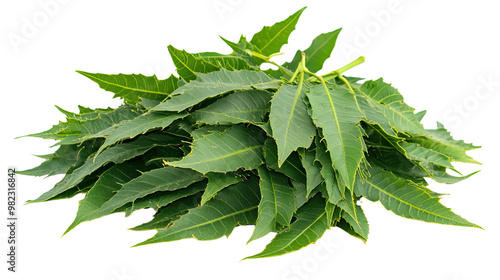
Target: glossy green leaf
(232,206)
(132,88)
(317,53)
(291,125)
(271,38)
(310,225)
(277,204)
(248,106)
(219,181)
(214,84)
(403,198)
(334,110)
(236,147)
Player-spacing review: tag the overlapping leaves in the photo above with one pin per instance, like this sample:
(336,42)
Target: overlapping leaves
(227,144)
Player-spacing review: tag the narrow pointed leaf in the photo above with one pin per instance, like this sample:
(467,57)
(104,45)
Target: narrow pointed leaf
(116,154)
(248,106)
(107,185)
(271,38)
(134,87)
(171,212)
(219,181)
(404,199)
(292,167)
(317,53)
(291,125)
(310,225)
(233,206)
(277,204)
(334,110)
(236,147)
(214,84)
(390,102)
(312,167)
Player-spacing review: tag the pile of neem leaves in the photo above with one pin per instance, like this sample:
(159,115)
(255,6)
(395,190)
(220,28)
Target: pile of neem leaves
(227,144)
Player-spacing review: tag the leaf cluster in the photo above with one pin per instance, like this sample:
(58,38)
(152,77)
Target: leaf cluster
(227,144)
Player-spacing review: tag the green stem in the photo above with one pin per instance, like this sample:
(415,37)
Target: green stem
(267,59)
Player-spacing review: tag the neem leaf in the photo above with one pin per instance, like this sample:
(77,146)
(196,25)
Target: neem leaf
(235,147)
(334,110)
(248,106)
(134,87)
(403,198)
(140,125)
(310,225)
(117,154)
(219,181)
(232,206)
(230,144)
(277,204)
(291,125)
(213,84)
(271,38)
(317,53)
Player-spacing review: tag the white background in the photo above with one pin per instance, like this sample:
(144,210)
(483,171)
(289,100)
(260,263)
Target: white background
(442,55)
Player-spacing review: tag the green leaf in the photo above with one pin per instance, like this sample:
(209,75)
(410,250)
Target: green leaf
(140,125)
(317,53)
(219,181)
(292,167)
(271,38)
(248,106)
(335,111)
(214,84)
(334,188)
(131,88)
(236,205)
(442,134)
(109,182)
(291,125)
(353,214)
(163,179)
(405,199)
(171,212)
(116,154)
(418,153)
(235,147)
(188,65)
(388,101)
(93,125)
(276,205)
(159,199)
(312,167)
(310,225)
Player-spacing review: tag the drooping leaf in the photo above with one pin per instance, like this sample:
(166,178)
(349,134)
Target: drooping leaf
(310,225)
(334,110)
(403,198)
(353,214)
(291,125)
(235,147)
(277,204)
(292,167)
(131,88)
(236,205)
(214,84)
(248,106)
(334,188)
(171,212)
